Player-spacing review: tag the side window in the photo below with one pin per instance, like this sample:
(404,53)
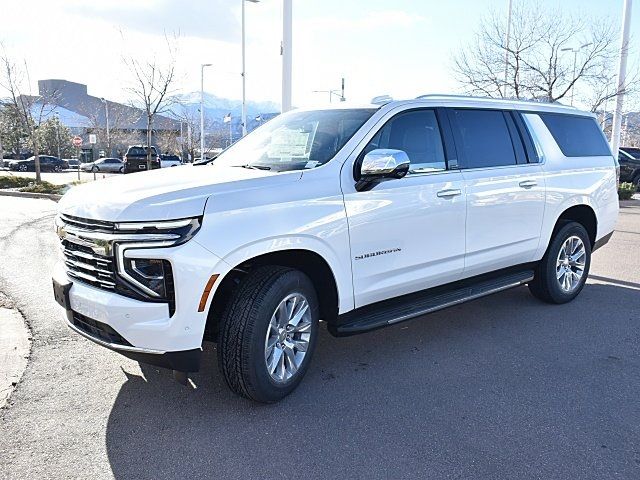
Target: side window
(483,138)
(417,134)
(575,135)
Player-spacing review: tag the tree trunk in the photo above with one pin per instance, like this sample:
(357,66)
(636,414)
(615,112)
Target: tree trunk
(149,119)
(37,162)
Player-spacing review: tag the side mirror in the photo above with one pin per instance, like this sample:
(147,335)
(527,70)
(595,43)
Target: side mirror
(382,164)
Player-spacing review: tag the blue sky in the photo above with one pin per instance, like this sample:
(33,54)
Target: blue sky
(400,47)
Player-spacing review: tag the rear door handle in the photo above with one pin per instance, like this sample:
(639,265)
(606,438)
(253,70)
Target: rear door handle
(448,193)
(528,183)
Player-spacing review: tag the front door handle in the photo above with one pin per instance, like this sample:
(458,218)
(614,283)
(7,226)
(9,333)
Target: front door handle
(448,193)
(528,183)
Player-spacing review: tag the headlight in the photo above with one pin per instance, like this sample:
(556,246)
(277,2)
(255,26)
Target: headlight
(148,273)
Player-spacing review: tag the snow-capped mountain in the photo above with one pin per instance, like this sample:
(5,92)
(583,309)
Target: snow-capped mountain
(215,108)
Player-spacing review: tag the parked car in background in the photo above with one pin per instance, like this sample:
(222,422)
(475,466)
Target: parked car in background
(629,160)
(167,160)
(114,165)
(47,164)
(360,217)
(135,160)
(73,162)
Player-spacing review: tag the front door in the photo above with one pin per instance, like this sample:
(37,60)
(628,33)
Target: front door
(407,234)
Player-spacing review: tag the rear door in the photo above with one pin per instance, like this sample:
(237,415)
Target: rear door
(505,190)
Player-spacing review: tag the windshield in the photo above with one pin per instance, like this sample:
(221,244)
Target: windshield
(296,141)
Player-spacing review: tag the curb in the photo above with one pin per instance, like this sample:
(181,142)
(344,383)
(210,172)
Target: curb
(47,196)
(15,348)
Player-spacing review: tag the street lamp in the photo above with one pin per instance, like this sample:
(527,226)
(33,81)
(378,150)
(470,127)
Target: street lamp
(287,53)
(106,113)
(575,61)
(202,108)
(244,79)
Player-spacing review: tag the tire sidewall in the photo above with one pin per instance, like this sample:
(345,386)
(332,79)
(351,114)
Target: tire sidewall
(267,390)
(571,229)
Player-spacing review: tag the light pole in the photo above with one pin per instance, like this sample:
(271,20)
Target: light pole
(622,74)
(244,76)
(286,52)
(575,62)
(106,114)
(58,133)
(202,108)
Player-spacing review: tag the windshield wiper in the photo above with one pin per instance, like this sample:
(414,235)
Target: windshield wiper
(256,167)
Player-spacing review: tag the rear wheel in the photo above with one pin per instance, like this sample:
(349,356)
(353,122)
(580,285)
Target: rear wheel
(562,272)
(57,168)
(23,168)
(268,333)
(95,169)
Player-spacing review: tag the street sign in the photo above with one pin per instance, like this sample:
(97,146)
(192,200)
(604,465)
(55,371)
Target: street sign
(93,139)
(77,141)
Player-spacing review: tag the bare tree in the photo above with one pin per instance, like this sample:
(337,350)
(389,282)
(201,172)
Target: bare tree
(540,63)
(29,110)
(152,84)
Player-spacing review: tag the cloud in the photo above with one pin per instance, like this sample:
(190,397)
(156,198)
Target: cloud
(212,19)
(377,19)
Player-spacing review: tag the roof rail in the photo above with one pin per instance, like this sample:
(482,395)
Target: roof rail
(493,99)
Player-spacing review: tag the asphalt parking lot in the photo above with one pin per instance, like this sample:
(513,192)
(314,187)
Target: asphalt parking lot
(502,387)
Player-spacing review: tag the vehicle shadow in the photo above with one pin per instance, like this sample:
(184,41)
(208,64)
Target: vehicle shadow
(501,384)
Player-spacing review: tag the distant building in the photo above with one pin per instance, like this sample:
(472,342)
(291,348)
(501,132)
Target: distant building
(85,114)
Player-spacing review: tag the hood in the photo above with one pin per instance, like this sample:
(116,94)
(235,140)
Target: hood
(164,194)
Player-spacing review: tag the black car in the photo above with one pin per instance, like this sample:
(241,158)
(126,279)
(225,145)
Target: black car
(629,160)
(135,160)
(47,164)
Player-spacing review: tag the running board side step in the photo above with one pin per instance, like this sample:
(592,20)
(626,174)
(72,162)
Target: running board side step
(406,307)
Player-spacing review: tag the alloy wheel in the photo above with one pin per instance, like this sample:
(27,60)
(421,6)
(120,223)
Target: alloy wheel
(288,335)
(570,263)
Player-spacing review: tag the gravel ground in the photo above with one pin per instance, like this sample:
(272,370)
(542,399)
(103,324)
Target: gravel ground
(502,387)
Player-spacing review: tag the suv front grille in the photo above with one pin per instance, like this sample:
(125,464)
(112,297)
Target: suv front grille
(87,224)
(87,266)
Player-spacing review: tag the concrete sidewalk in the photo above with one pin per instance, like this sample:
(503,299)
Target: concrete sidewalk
(15,345)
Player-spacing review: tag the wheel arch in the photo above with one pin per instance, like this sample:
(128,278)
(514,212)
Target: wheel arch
(583,214)
(311,263)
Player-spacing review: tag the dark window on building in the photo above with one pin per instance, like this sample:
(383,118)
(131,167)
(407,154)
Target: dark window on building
(484,139)
(576,136)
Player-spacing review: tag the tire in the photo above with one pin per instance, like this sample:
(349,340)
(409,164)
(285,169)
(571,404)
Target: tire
(57,168)
(249,319)
(23,168)
(94,169)
(547,284)
(121,169)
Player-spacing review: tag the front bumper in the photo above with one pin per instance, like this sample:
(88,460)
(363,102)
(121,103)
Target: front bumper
(144,330)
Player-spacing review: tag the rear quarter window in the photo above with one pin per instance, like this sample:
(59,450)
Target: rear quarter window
(575,135)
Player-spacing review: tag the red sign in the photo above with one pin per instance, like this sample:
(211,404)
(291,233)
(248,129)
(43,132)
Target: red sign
(77,141)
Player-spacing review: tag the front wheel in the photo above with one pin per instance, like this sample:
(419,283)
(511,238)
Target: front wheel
(268,333)
(94,169)
(562,272)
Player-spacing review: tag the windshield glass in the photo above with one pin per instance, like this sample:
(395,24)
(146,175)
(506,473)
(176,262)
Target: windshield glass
(296,141)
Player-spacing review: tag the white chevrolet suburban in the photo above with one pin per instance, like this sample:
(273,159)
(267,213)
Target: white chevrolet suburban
(361,217)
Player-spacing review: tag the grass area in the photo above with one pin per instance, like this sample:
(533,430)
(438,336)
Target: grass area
(626,190)
(29,185)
